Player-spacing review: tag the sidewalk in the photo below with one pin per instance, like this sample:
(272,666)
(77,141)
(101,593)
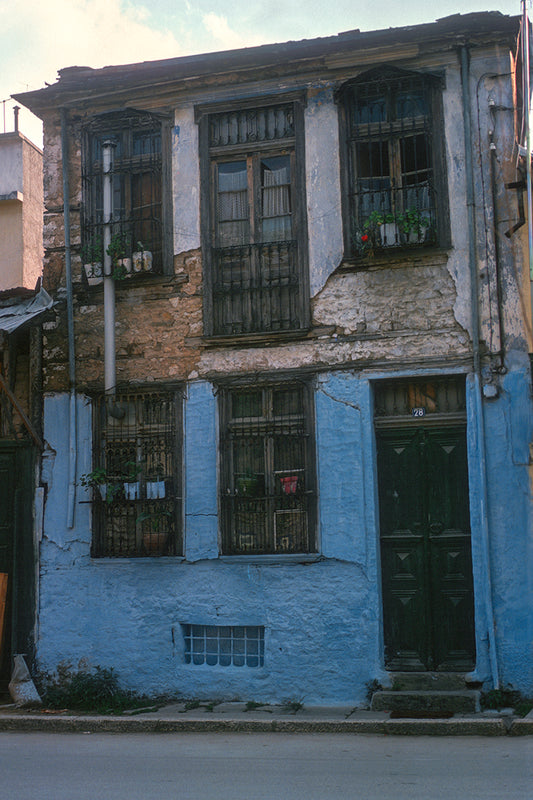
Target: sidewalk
(236,717)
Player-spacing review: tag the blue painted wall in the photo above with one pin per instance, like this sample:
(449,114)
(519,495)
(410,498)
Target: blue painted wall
(322,618)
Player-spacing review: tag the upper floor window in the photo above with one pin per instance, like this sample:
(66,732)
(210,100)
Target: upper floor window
(267,477)
(133,140)
(393,180)
(135,479)
(254,221)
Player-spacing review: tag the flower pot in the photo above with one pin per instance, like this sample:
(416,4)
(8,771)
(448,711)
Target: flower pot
(289,484)
(389,234)
(155,543)
(131,491)
(142,261)
(93,273)
(155,490)
(125,263)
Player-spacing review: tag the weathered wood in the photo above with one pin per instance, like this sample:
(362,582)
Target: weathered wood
(3,602)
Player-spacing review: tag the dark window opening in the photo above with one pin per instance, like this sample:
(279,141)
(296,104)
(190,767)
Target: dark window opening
(255,237)
(268,489)
(136,179)
(420,399)
(392,180)
(136,481)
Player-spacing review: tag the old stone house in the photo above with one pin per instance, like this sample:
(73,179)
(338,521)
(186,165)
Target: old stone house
(287,391)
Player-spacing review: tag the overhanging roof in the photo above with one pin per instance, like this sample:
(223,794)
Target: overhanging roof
(14,314)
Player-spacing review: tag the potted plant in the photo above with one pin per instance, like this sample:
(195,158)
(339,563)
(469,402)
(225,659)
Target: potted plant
(155,483)
(249,485)
(142,258)
(91,256)
(118,249)
(413,225)
(155,536)
(98,480)
(384,223)
(130,480)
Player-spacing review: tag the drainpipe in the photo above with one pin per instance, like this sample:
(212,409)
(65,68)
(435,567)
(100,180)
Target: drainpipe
(71,495)
(479,413)
(524,39)
(109,283)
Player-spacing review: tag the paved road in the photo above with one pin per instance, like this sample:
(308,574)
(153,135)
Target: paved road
(42,766)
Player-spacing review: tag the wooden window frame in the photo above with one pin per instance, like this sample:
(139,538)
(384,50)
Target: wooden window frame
(136,481)
(297,319)
(282,496)
(122,126)
(361,237)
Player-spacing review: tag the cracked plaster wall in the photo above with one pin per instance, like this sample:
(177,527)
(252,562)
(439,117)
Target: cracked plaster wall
(322,619)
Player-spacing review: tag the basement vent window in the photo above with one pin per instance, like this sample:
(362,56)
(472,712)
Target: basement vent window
(226,645)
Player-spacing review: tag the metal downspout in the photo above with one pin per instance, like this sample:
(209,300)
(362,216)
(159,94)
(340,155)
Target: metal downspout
(71,496)
(109,283)
(479,413)
(524,39)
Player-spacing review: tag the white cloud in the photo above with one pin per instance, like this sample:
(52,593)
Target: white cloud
(218,27)
(37,39)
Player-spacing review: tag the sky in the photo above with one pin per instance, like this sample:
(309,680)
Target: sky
(39,37)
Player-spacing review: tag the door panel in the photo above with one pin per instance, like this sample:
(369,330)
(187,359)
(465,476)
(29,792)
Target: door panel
(7,522)
(425,549)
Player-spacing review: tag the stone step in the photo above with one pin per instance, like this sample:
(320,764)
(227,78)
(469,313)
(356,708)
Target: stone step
(428,681)
(446,703)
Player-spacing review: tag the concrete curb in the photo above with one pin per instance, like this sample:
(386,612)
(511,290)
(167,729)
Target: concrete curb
(467,726)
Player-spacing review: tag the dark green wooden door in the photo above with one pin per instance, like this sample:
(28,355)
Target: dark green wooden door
(17,552)
(428,608)
(7,527)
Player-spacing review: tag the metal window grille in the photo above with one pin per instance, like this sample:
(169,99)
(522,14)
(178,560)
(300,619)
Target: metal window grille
(137,448)
(224,646)
(432,397)
(251,125)
(255,256)
(268,494)
(136,222)
(390,161)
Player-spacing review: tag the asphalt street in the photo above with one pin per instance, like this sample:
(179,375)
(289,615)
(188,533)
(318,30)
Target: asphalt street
(257,766)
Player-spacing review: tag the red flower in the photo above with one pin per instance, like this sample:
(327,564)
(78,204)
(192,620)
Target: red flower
(364,237)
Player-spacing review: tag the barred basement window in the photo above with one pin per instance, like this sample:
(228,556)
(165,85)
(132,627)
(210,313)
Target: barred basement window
(393,178)
(136,219)
(136,478)
(254,220)
(267,451)
(226,646)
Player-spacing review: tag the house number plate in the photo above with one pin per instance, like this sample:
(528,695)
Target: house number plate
(418,412)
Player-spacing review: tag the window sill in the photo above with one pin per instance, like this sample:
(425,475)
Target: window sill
(260,339)
(128,560)
(397,256)
(273,558)
(135,281)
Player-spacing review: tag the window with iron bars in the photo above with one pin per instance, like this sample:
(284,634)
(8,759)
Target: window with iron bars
(253,236)
(435,399)
(393,174)
(136,477)
(268,492)
(136,245)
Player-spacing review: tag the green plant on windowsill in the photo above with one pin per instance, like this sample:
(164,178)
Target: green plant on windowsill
(91,252)
(98,480)
(413,224)
(119,249)
(110,486)
(377,218)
